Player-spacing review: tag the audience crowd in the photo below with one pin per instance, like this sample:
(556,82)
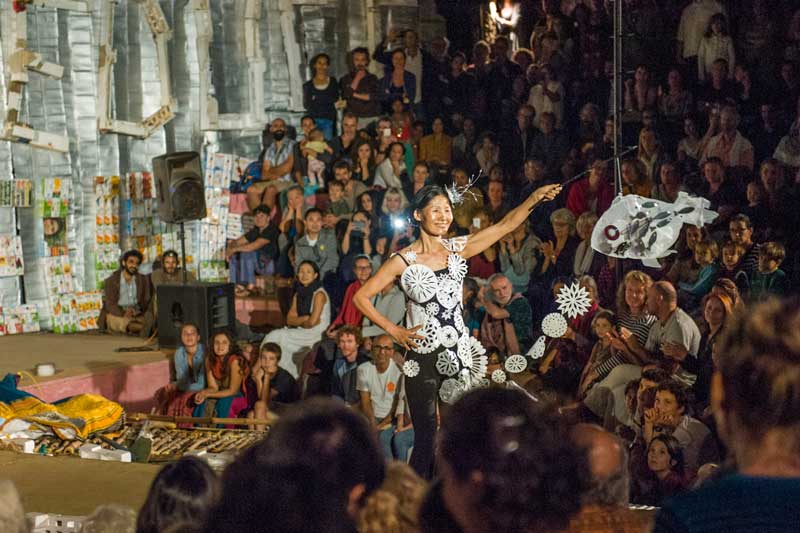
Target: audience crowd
(654,375)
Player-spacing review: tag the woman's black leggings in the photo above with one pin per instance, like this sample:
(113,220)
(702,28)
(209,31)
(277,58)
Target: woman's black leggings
(422,393)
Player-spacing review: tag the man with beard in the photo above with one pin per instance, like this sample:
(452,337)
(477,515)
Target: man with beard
(127,298)
(276,170)
(360,89)
(169,272)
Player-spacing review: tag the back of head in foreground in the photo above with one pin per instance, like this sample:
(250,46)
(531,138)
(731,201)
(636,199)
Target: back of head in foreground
(756,390)
(311,473)
(12,514)
(507,465)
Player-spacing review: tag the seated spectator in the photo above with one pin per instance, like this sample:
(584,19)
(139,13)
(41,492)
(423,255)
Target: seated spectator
(496,206)
(276,170)
(756,209)
(690,146)
(556,258)
(177,398)
(169,272)
(392,170)
(308,317)
(675,102)
(605,499)
(321,461)
(466,211)
(755,399)
(515,138)
(436,148)
(587,261)
(110,517)
(721,191)
(670,185)
(182,493)
(685,269)
(550,145)
(420,177)
(378,382)
(484,264)
(634,178)
(547,97)
(226,371)
(12,513)
(344,144)
(464,146)
(731,262)
(487,153)
(596,370)
(356,242)
(718,309)
(665,476)
(364,162)
(669,415)
(719,90)
(253,253)
(366,203)
(393,213)
(593,193)
(337,206)
(518,257)
(705,255)
(788,150)
(127,295)
(770,279)
(343,173)
(507,325)
(318,244)
(346,360)
(270,386)
(730,146)
(391,303)
(315,147)
(292,226)
(506,465)
(349,315)
(651,155)
(472,309)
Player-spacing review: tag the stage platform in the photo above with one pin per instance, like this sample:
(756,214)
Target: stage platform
(87,363)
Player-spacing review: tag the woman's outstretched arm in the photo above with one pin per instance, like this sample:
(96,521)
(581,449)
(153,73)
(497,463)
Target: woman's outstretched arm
(486,237)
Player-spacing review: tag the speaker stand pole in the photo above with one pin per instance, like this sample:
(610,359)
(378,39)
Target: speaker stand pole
(182,235)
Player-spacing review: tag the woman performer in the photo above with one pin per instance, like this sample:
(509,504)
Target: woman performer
(441,355)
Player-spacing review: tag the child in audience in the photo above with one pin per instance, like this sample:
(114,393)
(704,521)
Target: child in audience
(770,279)
(705,255)
(665,472)
(731,257)
(338,205)
(316,145)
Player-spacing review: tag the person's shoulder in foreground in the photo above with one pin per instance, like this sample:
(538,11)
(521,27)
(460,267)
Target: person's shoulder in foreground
(733,504)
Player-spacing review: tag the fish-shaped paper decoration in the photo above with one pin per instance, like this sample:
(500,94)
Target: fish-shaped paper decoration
(641,228)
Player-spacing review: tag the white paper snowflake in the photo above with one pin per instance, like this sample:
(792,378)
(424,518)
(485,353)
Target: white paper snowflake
(419,283)
(498,376)
(432,309)
(411,256)
(516,364)
(554,325)
(448,293)
(469,348)
(456,244)
(573,300)
(451,390)
(447,313)
(537,350)
(479,366)
(457,267)
(430,336)
(448,336)
(447,363)
(411,369)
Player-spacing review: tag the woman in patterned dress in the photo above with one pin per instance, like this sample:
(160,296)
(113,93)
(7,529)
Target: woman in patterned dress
(441,356)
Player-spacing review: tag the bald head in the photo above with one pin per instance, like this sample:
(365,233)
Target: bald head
(608,464)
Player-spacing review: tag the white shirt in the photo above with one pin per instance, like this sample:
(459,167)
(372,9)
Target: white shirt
(694,21)
(381,387)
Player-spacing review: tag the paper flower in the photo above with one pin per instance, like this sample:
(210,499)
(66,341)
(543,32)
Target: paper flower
(457,267)
(537,350)
(479,366)
(411,369)
(469,348)
(447,363)
(411,256)
(451,390)
(448,336)
(419,282)
(498,376)
(554,325)
(516,364)
(430,336)
(432,309)
(448,293)
(573,300)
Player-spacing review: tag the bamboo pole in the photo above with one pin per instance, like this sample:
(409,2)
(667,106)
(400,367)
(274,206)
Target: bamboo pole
(139,417)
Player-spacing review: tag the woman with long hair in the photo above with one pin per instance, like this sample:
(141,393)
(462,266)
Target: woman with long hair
(176,398)
(665,475)
(226,370)
(364,163)
(392,170)
(439,347)
(308,318)
(717,310)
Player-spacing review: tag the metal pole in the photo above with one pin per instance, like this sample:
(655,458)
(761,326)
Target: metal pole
(616,88)
(183,250)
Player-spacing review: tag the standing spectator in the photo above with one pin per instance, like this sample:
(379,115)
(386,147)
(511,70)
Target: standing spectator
(694,22)
(715,44)
(416,62)
(460,85)
(253,253)
(755,399)
(361,90)
(320,95)
(501,78)
(464,146)
(127,299)
(307,319)
(547,96)
(398,83)
(378,382)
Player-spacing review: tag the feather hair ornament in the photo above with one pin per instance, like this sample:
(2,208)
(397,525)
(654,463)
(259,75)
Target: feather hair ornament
(458,193)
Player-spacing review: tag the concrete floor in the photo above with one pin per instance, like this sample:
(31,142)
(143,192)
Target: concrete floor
(73,486)
(74,355)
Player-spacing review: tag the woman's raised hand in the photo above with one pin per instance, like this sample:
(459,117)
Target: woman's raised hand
(546,193)
(405,337)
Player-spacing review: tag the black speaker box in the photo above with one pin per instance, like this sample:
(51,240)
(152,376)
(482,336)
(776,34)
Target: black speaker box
(210,306)
(179,184)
